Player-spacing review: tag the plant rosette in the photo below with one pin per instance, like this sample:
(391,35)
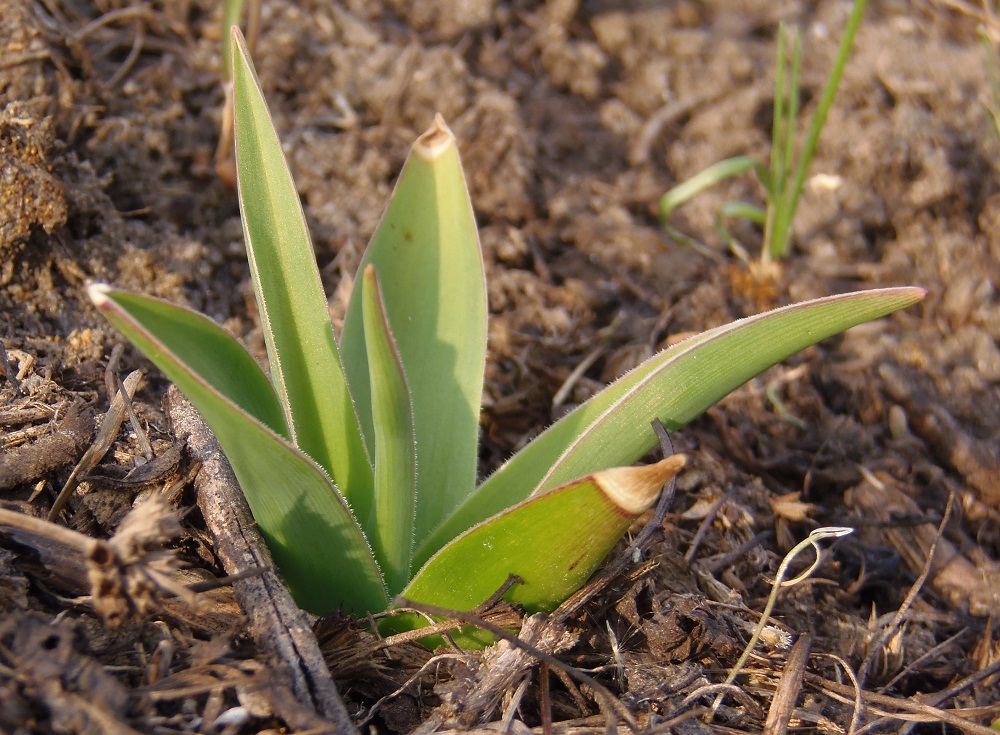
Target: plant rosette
(358,456)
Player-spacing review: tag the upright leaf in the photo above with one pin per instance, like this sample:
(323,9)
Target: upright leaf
(390,526)
(426,250)
(675,386)
(292,499)
(293,309)
(553,542)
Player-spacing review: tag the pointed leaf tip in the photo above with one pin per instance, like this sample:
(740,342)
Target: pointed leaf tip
(435,141)
(98,293)
(634,489)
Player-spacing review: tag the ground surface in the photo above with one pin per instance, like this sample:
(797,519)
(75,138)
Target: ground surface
(572,117)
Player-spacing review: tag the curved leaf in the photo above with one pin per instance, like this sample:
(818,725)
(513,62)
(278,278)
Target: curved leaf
(675,386)
(291,497)
(300,342)
(553,542)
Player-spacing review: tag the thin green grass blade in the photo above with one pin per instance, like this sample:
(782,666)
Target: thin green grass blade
(993,77)
(778,246)
(300,342)
(553,542)
(675,386)
(390,527)
(291,497)
(780,196)
(687,190)
(742,210)
(232,14)
(430,267)
(794,102)
(779,121)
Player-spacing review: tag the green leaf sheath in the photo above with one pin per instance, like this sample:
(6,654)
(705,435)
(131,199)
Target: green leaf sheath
(291,497)
(675,386)
(430,268)
(553,542)
(390,526)
(300,341)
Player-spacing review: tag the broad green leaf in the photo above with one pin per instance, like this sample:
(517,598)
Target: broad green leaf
(292,499)
(300,342)
(430,267)
(675,386)
(390,527)
(553,542)
(206,349)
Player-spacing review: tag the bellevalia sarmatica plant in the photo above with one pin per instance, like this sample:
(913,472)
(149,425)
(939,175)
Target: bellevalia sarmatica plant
(359,459)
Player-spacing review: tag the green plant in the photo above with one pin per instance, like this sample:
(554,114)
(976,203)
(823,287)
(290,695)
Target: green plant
(232,15)
(359,460)
(784,180)
(992,105)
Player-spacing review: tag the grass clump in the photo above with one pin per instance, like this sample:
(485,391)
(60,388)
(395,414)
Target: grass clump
(784,179)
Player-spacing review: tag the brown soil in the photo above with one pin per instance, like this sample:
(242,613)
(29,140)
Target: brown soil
(573,118)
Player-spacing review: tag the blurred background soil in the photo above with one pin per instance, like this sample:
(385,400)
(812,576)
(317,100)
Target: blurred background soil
(572,117)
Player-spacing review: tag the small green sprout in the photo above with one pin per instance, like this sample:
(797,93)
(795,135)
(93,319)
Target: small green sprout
(232,15)
(358,458)
(992,105)
(784,181)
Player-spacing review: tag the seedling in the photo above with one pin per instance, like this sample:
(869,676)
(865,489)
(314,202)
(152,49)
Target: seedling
(359,459)
(232,15)
(992,106)
(784,180)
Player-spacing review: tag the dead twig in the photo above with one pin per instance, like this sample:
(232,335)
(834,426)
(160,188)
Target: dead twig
(705,524)
(113,384)
(975,459)
(127,574)
(926,656)
(280,628)
(720,690)
(908,601)
(783,703)
(545,699)
(911,711)
(968,586)
(946,694)
(51,451)
(105,438)
(858,704)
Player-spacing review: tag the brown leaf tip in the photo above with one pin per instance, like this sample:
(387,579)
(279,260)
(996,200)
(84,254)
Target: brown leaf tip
(634,489)
(436,140)
(98,293)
